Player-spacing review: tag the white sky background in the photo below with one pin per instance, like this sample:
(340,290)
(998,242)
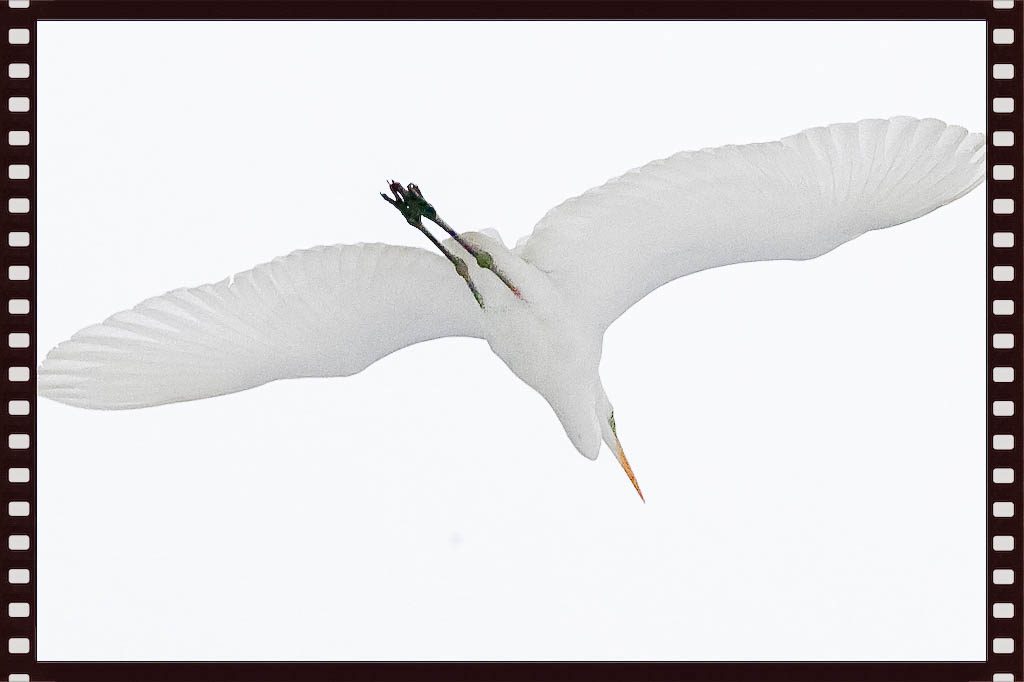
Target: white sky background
(809,435)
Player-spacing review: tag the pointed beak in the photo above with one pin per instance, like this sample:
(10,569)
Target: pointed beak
(621,456)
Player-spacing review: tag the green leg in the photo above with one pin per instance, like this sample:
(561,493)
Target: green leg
(483,258)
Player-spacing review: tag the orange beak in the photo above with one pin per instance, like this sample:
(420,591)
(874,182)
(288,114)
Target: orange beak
(621,456)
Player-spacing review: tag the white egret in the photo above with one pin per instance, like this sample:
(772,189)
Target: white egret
(544,305)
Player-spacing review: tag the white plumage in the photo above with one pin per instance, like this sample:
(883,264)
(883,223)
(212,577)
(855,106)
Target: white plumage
(793,199)
(334,310)
(325,311)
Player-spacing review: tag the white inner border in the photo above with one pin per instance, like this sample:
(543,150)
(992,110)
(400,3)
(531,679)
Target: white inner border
(742,293)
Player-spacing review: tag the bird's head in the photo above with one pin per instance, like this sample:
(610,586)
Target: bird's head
(588,426)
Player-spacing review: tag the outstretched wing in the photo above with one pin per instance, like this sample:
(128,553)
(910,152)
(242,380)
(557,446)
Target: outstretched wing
(796,198)
(326,311)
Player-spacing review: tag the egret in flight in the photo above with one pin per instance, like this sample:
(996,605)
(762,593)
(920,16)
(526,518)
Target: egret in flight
(544,305)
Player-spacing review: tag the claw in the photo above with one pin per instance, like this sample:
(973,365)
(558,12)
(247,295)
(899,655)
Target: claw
(397,190)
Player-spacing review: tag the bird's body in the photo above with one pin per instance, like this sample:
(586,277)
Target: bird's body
(543,306)
(542,338)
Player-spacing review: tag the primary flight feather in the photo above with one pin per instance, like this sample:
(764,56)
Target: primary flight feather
(543,306)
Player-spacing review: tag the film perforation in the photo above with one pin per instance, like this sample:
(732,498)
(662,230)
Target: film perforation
(1003,36)
(1004,323)
(19,391)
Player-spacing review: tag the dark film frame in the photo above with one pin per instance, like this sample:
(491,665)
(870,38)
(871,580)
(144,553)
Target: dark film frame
(1004,327)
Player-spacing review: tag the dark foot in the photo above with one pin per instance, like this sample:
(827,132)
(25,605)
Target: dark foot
(410,203)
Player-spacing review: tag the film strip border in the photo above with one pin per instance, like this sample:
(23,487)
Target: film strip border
(1005,331)
(19,260)
(1004,328)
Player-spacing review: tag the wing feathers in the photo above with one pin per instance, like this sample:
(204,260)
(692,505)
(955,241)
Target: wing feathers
(327,311)
(795,198)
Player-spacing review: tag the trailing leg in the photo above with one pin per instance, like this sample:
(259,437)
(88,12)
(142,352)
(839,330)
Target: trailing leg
(410,207)
(415,205)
